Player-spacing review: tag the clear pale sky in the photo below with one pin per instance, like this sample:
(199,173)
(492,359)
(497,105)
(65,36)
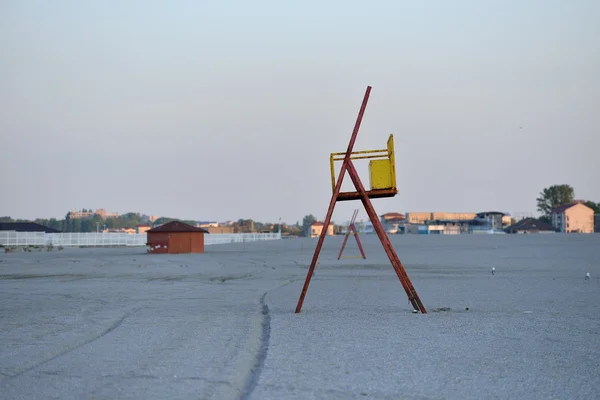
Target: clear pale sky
(226,110)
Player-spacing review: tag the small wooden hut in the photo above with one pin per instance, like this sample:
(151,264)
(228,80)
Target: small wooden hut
(176,237)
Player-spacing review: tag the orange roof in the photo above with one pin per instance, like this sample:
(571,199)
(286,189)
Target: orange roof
(393,215)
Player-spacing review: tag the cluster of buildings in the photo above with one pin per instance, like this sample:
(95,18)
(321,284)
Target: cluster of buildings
(103,214)
(574,217)
(89,214)
(214,227)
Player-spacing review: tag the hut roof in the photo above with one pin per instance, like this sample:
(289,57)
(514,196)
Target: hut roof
(176,226)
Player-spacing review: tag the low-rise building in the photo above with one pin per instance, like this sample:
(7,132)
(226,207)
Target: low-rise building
(143,228)
(452,216)
(530,225)
(208,224)
(422,217)
(488,221)
(392,222)
(176,237)
(86,214)
(574,217)
(418,217)
(102,213)
(220,229)
(317,227)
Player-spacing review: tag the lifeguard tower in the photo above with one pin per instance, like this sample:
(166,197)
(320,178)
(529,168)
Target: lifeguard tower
(382,184)
(351,230)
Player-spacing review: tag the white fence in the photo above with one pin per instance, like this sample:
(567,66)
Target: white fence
(95,239)
(12,238)
(239,238)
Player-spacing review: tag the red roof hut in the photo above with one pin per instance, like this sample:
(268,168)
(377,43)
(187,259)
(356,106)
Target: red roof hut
(176,237)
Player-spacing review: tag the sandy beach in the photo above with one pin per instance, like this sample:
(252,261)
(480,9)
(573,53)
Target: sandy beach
(119,323)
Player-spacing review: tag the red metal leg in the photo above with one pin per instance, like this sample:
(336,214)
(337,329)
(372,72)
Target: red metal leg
(350,228)
(334,197)
(362,252)
(385,241)
(344,243)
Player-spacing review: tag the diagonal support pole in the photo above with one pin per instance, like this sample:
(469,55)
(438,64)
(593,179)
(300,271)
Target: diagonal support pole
(334,197)
(413,297)
(348,230)
(362,252)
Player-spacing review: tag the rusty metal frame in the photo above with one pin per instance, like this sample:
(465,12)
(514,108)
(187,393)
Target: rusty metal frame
(348,166)
(352,229)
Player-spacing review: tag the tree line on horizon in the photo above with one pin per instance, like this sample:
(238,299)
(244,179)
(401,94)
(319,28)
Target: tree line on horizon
(132,220)
(549,198)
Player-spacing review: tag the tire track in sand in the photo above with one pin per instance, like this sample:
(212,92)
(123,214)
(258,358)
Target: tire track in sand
(114,325)
(254,353)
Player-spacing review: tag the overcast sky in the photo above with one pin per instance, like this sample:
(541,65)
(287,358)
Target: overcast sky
(226,110)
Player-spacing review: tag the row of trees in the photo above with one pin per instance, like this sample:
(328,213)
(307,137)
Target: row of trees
(548,199)
(558,195)
(132,220)
(125,221)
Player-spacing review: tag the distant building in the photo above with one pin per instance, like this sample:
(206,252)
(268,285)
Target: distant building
(129,231)
(220,229)
(418,217)
(488,221)
(102,213)
(530,225)
(447,226)
(452,216)
(143,228)
(148,218)
(573,217)
(597,223)
(317,227)
(80,214)
(422,217)
(86,214)
(208,224)
(393,222)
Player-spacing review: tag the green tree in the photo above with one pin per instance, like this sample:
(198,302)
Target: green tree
(307,221)
(292,230)
(593,206)
(554,196)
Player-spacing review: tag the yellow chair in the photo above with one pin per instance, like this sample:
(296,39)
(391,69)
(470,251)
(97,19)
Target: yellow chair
(382,172)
